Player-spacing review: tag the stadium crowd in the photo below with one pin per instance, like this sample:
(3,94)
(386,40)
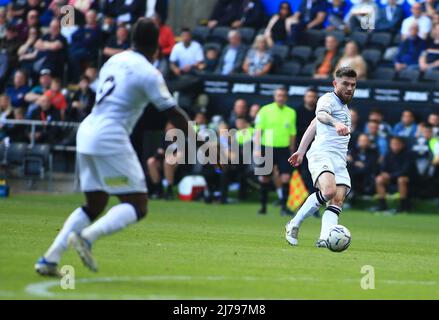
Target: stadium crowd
(49,71)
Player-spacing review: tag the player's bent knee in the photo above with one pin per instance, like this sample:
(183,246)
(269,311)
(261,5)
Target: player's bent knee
(92,212)
(329,193)
(141,212)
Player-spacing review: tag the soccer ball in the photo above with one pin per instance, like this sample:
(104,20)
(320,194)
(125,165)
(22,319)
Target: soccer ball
(339,238)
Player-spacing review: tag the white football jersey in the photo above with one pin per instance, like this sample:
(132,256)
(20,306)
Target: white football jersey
(326,138)
(127,84)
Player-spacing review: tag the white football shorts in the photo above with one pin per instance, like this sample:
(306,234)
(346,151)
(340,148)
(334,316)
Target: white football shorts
(114,174)
(320,162)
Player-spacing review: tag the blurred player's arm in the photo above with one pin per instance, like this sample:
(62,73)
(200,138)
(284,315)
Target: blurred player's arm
(297,158)
(326,118)
(179,118)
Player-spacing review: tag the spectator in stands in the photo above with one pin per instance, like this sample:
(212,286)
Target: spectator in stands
(30,22)
(325,64)
(355,130)
(410,50)
(124,11)
(240,110)
(431,7)
(19,89)
(159,7)
(278,30)
(384,129)
(211,62)
(85,6)
(362,165)
(423,148)
(252,114)
(306,112)
(117,43)
(166,37)
(85,46)
(82,101)
(244,138)
(200,120)
(433,120)
(377,141)
(27,53)
(389,17)
(233,55)
(45,81)
(57,98)
(423,21)
(237,14)
(45,112)
(259,60)
(429,59)
(8,53)
(395,169)
(6,112)
(3,23)
(92,73)
(17,133)
(310,15)
(352,58)
(187,56)
(407,126)
(356,17)
(337,11)
(52,50)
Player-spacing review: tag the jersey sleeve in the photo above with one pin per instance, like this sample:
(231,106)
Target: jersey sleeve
(260,120)
(293,127)
(324,104)
(158,93)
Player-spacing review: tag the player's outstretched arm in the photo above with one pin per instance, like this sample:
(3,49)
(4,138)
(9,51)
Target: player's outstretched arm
(324,117)
(179,118)
(297,158)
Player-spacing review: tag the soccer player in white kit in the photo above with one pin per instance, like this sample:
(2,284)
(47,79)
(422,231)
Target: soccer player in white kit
(326,157)
(107,162)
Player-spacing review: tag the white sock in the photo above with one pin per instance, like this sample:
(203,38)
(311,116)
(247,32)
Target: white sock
(329,219)
(77,221)
(279,193)
(117,218)
(311,205)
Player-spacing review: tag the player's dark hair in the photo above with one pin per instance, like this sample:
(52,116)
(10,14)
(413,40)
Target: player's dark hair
(145,36)
(373,121)
(185,29)
(345,72)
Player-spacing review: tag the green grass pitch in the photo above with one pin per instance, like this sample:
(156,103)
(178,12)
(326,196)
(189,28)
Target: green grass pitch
(196,251)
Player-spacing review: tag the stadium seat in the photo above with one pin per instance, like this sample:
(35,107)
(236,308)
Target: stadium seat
(280,51)
(307,70)
(213,45)
(408,75)
(219,34)
(247,35)
(38,161)
(320,51)
(431,76)
(390,54)
(313,38)
(15,153)
(380,40)
(301,53)
(372,57)
(360,38)
(383,74)
(289,68)
(200,33)
(396,39)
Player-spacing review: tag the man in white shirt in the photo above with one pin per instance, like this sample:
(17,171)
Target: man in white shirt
(187,56)
(106,159)
(420,18)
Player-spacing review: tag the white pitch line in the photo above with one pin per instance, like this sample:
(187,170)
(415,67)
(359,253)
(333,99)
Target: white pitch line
(42,289)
